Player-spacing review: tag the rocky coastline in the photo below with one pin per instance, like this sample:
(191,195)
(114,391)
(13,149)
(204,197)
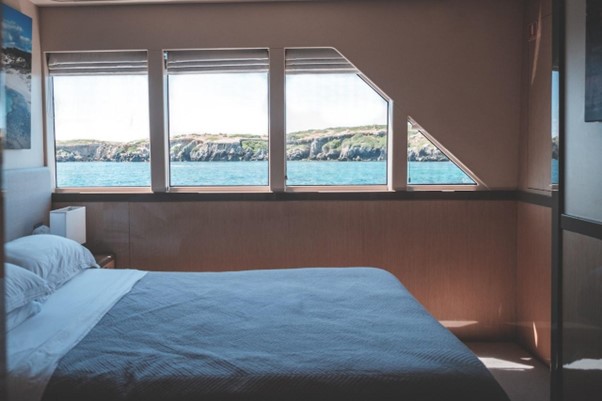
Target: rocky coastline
(335,144)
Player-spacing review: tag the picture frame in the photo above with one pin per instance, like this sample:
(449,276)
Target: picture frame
(16,77)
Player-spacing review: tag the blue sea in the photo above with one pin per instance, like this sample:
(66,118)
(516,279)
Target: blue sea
(107,174)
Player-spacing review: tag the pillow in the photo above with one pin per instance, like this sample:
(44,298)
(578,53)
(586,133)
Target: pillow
(22,287)
(19,315)
(56,259)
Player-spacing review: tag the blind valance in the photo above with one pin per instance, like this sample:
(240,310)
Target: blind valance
(322,60)
(214,61)
(97,63)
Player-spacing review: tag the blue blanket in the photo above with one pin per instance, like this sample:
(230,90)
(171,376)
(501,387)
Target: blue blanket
(286,335)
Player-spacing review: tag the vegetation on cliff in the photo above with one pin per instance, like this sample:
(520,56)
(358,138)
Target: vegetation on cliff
(365,143)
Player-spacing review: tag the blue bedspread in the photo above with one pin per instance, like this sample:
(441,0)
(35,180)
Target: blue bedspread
(287,335)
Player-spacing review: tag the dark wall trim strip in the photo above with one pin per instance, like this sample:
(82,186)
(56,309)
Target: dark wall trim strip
(581,226)
(287,196)
(535,199)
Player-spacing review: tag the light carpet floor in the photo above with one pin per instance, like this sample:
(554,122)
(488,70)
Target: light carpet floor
(521,375)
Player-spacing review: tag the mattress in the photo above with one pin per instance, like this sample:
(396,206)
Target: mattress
(294,334)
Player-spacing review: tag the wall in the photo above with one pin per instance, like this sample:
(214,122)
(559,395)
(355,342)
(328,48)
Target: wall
(33,157)
(583,142)
(581,240)
(22,158)
(534,223)
(457,257)
(533,279)
(453,66)
(535,141)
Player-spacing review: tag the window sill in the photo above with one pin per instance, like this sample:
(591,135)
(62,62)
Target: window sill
(79,197)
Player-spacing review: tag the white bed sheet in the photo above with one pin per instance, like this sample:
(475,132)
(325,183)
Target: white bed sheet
(36,346)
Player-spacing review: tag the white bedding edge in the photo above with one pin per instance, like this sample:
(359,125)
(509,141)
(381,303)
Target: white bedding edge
(35,347)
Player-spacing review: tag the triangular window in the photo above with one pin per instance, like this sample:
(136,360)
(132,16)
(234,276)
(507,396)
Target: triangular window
(429,165)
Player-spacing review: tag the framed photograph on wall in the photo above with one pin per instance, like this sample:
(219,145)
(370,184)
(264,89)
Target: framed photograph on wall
(16,77)
(593,61)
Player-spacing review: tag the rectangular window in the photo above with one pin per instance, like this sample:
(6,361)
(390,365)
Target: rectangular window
(101,120)
(218,117)
(336,123)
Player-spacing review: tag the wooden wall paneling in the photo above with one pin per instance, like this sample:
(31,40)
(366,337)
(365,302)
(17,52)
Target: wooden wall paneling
(582,317)
(533,279)
(107,226)
(457,257)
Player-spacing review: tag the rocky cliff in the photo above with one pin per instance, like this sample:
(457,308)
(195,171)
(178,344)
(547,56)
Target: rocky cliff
(343,144)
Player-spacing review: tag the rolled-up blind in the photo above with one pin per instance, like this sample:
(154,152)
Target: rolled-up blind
(215,61)
(98,63)
(321,60)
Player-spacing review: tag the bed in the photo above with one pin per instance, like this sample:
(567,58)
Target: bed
(284,334)
(294,334)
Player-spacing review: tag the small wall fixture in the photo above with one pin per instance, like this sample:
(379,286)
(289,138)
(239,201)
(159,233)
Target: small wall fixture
(69,222)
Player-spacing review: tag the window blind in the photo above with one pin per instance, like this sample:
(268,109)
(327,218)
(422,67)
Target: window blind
(322,60)
(97,63)
(214,61)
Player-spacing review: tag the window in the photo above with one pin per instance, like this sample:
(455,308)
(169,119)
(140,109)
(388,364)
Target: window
(336,122)
(218,117)
(101,120)
(329,124)
(427,164)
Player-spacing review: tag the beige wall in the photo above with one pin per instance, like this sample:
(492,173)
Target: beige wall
(457,257)
(454,66)
(535,141)
(33,157)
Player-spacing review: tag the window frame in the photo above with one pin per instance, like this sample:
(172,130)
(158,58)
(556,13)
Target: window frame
(478,183)
(388,186)
(396,164)
(209,188)
(50,136)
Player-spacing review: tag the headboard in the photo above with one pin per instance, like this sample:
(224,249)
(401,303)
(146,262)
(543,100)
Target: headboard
(27,199)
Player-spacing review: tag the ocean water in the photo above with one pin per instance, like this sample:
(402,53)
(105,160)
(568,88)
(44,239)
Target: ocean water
(104,174)
(554,171)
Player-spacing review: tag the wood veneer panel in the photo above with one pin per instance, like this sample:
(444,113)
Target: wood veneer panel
(533,279)
(582,317)
(107,229)
(456,257)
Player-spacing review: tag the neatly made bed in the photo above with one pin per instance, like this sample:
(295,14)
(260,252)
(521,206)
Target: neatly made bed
(291,334)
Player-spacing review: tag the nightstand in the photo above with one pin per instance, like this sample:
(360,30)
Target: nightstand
(105,260)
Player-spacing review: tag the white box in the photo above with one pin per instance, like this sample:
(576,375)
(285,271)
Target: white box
(69,222)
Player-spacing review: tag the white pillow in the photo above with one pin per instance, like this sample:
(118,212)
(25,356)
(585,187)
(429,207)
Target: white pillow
(22,287)
(56,259)
(19,315)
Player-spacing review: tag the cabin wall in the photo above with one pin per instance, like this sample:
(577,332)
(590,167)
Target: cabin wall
(581,317)
(454,66)
(456,257)
(534,223)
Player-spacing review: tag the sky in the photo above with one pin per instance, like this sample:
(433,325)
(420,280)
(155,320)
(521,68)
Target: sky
(16,29)
(115,108)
